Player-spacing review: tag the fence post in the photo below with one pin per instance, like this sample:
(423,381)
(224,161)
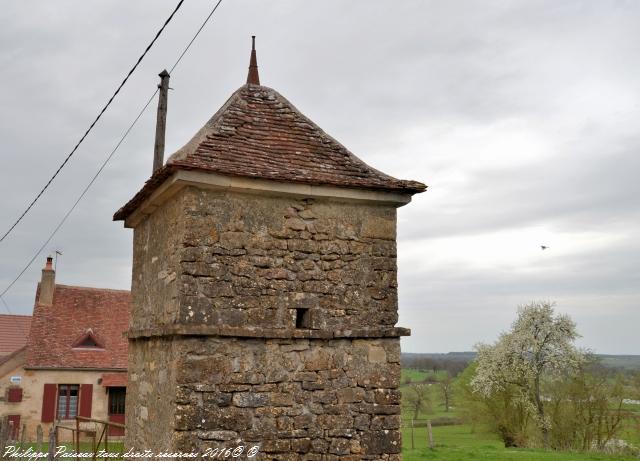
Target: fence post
(39,437)
(77,439)
(413,443)
(430,434)
(52,444)
(22,436)
(106,440)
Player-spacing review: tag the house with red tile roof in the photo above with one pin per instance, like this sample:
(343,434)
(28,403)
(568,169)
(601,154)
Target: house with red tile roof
(71,360)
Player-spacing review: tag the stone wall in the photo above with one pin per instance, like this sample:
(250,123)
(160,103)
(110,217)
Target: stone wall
(266,319)
(151,394)
(156,246)
(243,260)
(307,399)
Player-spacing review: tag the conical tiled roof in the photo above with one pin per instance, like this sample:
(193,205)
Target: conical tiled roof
(259,134)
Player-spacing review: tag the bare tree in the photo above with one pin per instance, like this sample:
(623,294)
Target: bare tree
(418,399)
(446,389)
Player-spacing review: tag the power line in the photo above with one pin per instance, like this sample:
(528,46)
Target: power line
(80,197)
(86,133)
(6,306)
(104,164)
(204,23)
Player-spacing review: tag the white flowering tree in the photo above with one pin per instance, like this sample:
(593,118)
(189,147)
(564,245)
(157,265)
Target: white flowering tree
(537,350)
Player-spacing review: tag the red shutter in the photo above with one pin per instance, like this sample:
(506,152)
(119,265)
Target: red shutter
(86,394)
(15,394)
(49,403)
(14,424)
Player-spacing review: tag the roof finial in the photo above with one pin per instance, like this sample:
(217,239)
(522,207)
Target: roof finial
(253,78)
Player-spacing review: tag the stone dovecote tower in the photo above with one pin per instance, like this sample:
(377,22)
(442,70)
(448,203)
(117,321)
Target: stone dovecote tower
(264,292)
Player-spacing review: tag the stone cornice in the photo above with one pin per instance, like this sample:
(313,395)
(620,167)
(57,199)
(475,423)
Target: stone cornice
(266,333)
(185,178)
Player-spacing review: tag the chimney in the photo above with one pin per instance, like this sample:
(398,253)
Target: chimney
(161,121)
(252,77)
(48,283)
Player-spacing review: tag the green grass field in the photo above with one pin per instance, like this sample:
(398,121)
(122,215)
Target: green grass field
(461,443)
(490,454)
(419,376)
(437,409)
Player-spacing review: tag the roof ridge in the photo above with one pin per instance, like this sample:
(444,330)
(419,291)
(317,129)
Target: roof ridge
(60,285)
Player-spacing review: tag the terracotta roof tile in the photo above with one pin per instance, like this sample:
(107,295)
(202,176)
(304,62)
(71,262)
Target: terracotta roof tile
(258,133)
(114,380)
(20,351)
(14,330)
(75,312)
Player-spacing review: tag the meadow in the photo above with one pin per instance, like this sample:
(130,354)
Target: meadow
(455,441)
(462,443)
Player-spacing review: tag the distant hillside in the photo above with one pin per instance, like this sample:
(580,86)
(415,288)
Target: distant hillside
(628,362)
(452,362)
(440,360)
(465,356)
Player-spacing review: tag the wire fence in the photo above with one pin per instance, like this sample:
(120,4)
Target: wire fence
(85,436)
(417,433)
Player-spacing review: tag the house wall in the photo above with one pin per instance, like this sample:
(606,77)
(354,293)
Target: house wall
(11,366)
(218,277)
(33,381)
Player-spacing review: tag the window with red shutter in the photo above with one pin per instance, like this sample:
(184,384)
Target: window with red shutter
(67,401)
(14,395)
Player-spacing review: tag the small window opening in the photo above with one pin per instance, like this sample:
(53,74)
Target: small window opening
(302,318)
(87,342)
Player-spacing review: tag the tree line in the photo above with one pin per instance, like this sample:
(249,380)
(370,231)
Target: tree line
(453,364)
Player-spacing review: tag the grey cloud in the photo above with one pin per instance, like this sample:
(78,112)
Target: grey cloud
(368,73)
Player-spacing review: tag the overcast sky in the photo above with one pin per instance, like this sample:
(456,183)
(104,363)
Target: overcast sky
(522,117)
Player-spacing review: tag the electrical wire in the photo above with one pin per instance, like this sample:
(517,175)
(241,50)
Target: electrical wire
(86,133)
(80,197)
(6,306)
(106,161)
